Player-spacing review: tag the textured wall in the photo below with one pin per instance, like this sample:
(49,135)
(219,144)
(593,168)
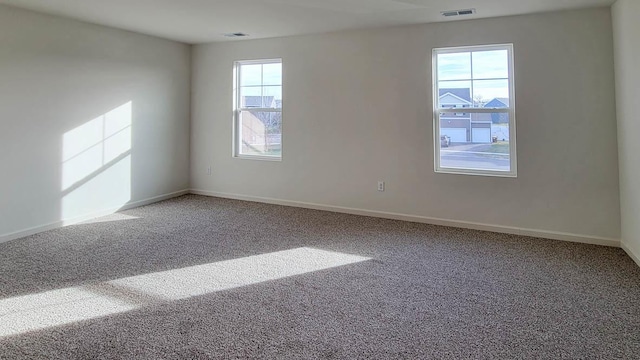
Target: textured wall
(91,118)
(627,54)
(357,109)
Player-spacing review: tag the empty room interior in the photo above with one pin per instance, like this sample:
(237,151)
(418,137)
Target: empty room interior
(313,179)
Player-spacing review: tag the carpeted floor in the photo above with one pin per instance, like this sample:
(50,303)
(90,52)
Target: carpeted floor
(199,278)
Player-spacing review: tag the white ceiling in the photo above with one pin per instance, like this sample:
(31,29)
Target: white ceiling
(200,21)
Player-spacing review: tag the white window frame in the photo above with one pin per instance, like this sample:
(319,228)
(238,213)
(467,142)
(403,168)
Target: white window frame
(510,110)
(237,111)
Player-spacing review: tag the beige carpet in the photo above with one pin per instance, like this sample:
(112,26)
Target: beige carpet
(199,278)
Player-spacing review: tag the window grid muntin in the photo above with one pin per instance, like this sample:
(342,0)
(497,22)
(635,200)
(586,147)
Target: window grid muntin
(237,126)
(510,109)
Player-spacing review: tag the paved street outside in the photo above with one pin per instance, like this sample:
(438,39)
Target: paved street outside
(484,156)
(476,156)
(473,161)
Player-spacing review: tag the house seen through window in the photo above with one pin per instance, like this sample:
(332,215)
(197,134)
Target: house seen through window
(474,117)
(258,109)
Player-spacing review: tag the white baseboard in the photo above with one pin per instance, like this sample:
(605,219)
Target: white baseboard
(553,235)
(381,214)
(67,222)
(630,252)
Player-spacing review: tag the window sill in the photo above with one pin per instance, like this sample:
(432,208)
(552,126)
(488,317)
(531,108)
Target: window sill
(453,171)
(258,157)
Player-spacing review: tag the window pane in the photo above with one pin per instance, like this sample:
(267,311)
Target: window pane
(261,133)
(491,93)
(475,141)
(466,81)
(259,87)
(490,64)
(272,74)
(251,91)
(454,66)
(251,74)
(261,97)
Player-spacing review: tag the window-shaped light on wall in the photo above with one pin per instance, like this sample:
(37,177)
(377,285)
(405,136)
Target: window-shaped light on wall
(96,163)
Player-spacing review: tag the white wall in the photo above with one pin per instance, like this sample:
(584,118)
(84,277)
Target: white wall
(64,153)
(357,109)
(626,31)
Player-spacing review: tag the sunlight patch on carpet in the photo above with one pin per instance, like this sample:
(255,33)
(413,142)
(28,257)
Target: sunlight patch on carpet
(65,306)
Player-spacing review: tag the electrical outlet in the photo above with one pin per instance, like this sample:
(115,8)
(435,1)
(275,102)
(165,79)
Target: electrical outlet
(209,170)
(380,185)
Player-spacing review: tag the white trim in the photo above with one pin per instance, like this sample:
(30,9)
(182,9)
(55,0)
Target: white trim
(259,109)
(630,252)
(67,222)
(458,49)
(259,61)
(437,111)
(236,132)
(475,110)
(553,235)
(475,172)
(473,152)
(258,157)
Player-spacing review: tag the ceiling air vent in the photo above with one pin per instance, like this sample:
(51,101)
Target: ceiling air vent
(236,34)
(458,12)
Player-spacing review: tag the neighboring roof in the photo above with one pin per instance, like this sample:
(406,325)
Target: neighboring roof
(462,93)
(498,102)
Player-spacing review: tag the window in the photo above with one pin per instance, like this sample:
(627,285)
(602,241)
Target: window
(258,109)
(480,141)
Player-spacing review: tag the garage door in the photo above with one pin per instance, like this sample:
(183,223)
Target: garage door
(481,135)
(456,134)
